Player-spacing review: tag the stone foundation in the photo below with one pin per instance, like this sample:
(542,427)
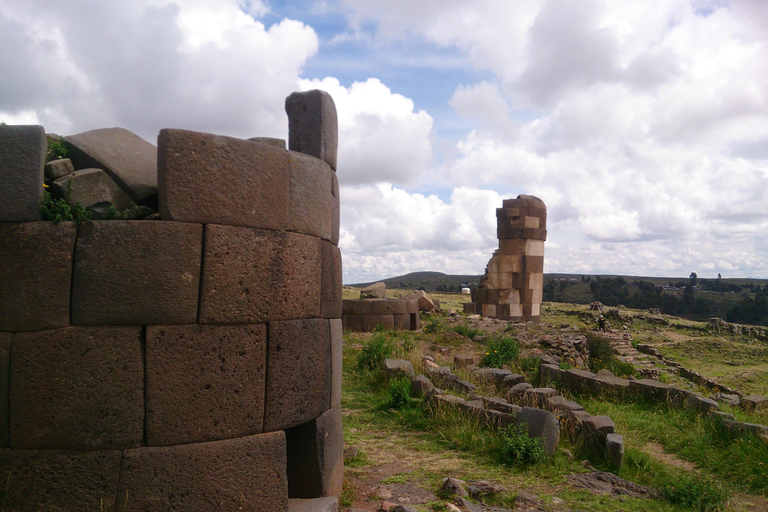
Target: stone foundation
(186,363)
(366,314)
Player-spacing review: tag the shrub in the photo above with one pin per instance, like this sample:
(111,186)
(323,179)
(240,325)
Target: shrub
(530,367)
(499,352)
(467,331)
(434,325)
(374,352)
(399,393)
(64,209)
(696,492)
(520,449)
(603,356)
(56,150)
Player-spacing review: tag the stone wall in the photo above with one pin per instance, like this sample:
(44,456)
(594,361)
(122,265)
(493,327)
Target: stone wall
(187,363)
(512,286)
(366,314)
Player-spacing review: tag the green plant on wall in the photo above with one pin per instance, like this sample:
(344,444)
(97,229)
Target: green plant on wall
(56,150)
(63,209)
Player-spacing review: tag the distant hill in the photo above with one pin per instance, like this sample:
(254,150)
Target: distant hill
(430,281)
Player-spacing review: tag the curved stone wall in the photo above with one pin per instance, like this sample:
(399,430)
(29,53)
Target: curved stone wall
(187,363)
(365,315)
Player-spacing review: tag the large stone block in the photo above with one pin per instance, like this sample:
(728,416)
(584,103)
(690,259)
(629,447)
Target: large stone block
(650,389)
(315,456)
(36,275)
(371,322)
(540,424)
(337,359)
(92,186)
(357,307)
(327,504)
(5,357)
(237,474)
(388,307)
(313,125)
(136,272)
(578,380)
(204,382)
(594,433)
(53,480)
(22,160)
(79,388)
(314,196)
(55,169)
(128,159)
(212,179)
(299,376)
(330,281)
(252,275)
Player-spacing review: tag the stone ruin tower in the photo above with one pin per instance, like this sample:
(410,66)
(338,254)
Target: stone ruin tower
(512,286)
(188,363)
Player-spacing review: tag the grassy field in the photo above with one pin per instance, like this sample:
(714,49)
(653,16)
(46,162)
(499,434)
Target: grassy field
(405,448)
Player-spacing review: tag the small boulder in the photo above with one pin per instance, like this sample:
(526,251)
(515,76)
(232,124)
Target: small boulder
(452,487)
(421,385)
(374,291)
(397,368)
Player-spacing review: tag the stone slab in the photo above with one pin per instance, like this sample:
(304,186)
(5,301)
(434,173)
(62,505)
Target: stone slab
(550,374)
(327,504)
(5,359)
(22,160)
(402,322)
(77,388)
(89,187)
(371,322)
(594,431)
(330,281)
(237,474)
(337,359)
(650,389)
(212,179)
(614,451)
(540,424)
(356,307)
(299,375)
(128,159)
(701,404)
(578,380)
(136,272)
(253,275)
(36,275)
(313,125)
(204,382)
(315,456)
(388,307)
(54,480)
(57,168)
(313,196)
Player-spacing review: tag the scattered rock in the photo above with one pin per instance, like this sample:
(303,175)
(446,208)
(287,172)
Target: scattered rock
(603,483)
(374,291)
(453,487)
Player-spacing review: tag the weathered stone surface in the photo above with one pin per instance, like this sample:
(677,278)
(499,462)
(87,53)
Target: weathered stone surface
(330,281)
(370,322)
(57,168)
(462,386)
(610,384)
(337,359)
(252,275)
(204,382)
(36,275)
(650,389)
(300,388)
(594,431)
(402,322)
(540,424)
(327,504)
(128,159)
(578,380)
(614,451)
(701,404)
(313,198)
(212,179)
(453,487)
(558,404)
(356,307)
(446,400)
(236,474)
(5,357)
(754,402)
(136,272)
(315,456)
(517,391)
(272,141)
(53,480)
(538,396)
(313,125)
(512,380)
(22,158)
(374,291)
(600,482)
(398,368)
(550,374)
(91,186)
(388,307)
(79,388)
(421,385)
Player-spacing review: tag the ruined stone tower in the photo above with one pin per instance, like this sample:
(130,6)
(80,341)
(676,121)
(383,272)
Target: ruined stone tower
(188,362)
(512,286)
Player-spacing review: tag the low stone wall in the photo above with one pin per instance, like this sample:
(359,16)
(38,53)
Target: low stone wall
(393,314)
(190,363)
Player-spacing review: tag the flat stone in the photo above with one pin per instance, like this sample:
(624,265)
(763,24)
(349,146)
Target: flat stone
(36,275)
(313,199)
(313,125)
(539,396)
(467,505)
(57,168)
(421,385)
(327,504)
(754,402)
(219,475)
(578,380)
(517,391)
(388,307)
(356,307)
(511,380)
(373,291)
(90,187)
(542,425)
(253,275)
(650,389)
(701,404)
(594,431)
(136,272)
(77,388)
(330,281)
(610,384)
(5,359)
(204,382)
(22,159)
(53,480)
(461,386)
(558,404)
(395,368)
(212,179)
(337,359)
(316,456)
(128,159)
(299,380)
(449,400)
(550,374)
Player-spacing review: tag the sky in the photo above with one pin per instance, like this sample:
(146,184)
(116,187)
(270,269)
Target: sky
(642,125)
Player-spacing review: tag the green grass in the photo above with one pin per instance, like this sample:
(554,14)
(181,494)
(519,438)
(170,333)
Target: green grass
(500,352)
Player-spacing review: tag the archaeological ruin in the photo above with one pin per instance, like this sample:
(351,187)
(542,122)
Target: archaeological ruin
(512,286)
(187,361)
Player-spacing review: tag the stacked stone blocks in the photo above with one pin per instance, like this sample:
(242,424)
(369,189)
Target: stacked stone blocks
(512,286)
(365,315)
(188,363)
